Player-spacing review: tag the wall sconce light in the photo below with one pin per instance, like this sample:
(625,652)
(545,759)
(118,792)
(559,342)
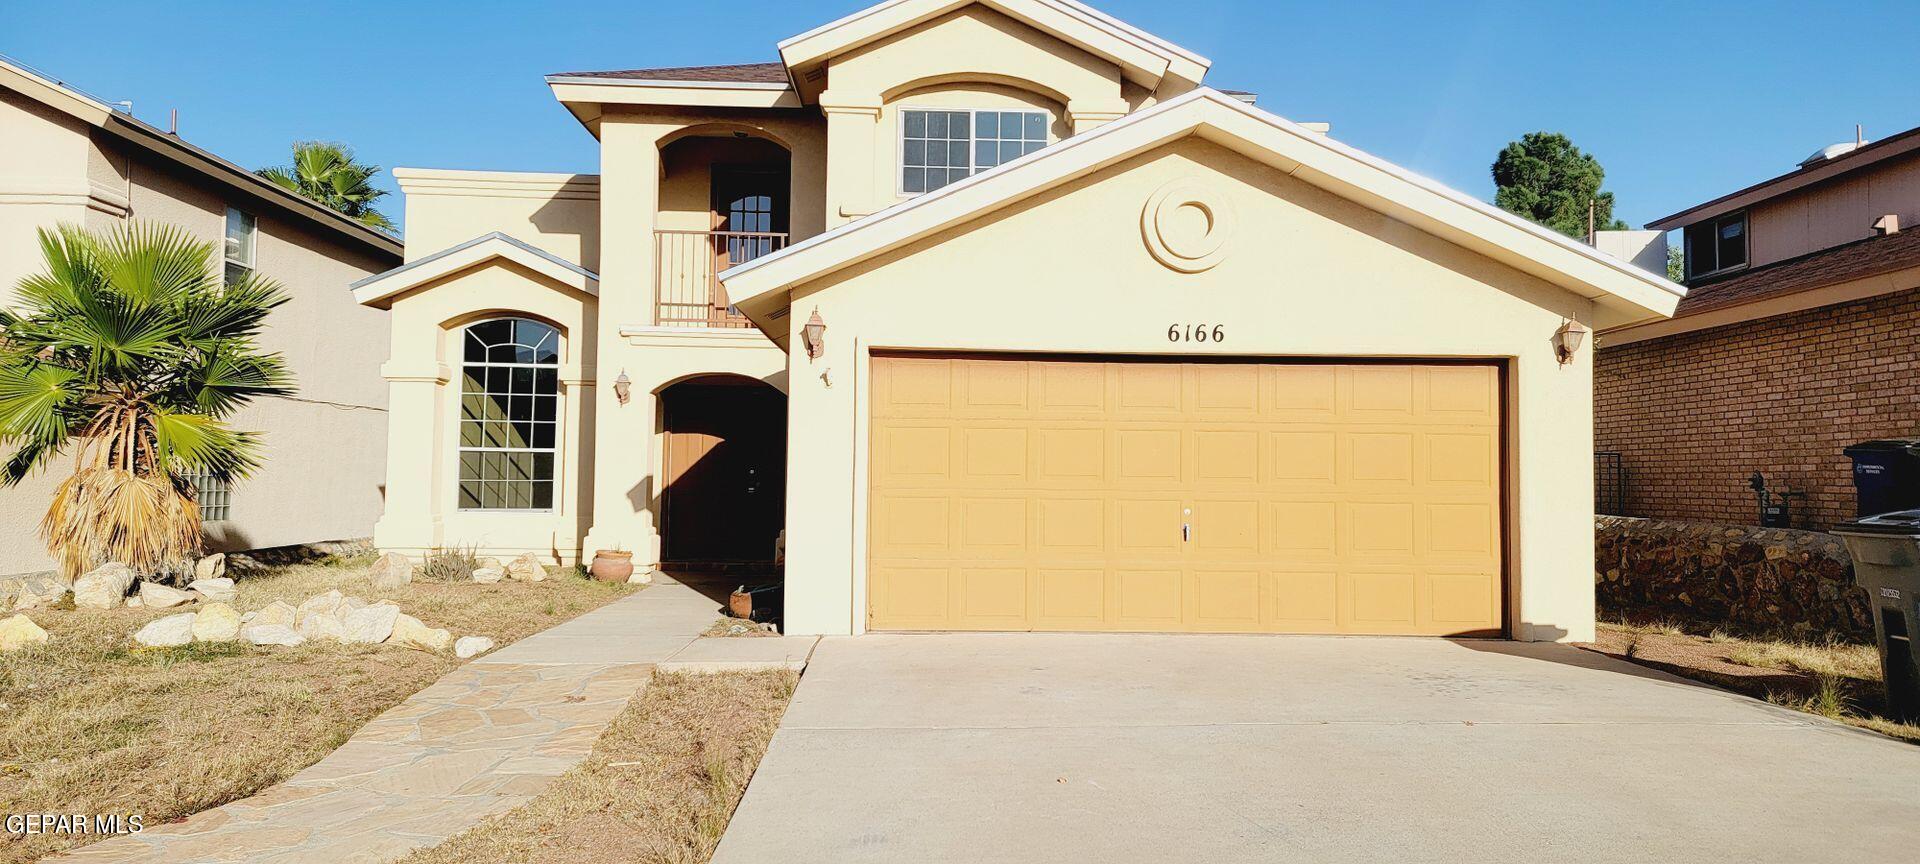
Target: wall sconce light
(1567,339)
(814,335)
(623,387)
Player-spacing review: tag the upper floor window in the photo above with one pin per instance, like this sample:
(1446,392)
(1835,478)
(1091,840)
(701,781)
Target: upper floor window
(1716,244)
(509,415)
(241,232)
(938,147)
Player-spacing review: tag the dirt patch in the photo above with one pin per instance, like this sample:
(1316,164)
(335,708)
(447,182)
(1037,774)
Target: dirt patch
(1838,680)
(91,723)
(740,628)
(660,786)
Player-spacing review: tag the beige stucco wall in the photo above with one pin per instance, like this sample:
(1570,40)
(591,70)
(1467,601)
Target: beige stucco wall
(1840,211)
(559,213)
(324,465)
(1307,274)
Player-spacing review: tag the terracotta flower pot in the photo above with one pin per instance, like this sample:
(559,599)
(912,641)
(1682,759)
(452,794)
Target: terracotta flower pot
(611,566)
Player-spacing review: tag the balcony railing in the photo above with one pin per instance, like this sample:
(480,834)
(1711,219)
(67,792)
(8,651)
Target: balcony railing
(688,266)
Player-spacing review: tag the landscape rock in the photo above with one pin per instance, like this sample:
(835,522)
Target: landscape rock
(272,634)
(392,572)
(351,603)
(492,564)
(167,632)
(470,646)
(322,625)
(318,604)
(488,575)
(527,568)
(154,595)
(135,602)
(409,631)
(641,577)
(218,589)
(104,587)
(211,567)
(370,625)
(278,612)
(38,591)
(218,622)
(18,632)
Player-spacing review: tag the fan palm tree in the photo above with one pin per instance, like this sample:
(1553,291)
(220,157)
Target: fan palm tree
(325,173)
(129,353)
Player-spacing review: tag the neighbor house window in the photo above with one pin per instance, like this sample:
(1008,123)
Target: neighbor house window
(509,414)
(940,147)
(1716,244)
(239,246)
(213,496)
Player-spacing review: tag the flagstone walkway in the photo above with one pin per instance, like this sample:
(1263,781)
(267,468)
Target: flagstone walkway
(480,741)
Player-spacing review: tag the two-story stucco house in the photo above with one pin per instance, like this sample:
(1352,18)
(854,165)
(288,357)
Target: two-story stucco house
(67,157)
(1795,340)
(1009,322)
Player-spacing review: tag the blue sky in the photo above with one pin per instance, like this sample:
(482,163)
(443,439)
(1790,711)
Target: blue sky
(1681,101)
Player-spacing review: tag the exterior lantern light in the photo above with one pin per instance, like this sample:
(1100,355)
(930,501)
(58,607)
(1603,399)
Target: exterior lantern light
(814,335)
(623,387)
(1567,339)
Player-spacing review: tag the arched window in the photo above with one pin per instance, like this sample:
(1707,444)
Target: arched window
(509,415)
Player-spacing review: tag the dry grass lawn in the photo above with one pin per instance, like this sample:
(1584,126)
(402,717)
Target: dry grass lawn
(91,723)
(1836,680)
(660,786)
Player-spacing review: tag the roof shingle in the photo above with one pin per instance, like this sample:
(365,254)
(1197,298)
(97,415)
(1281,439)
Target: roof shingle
(1833,265)
(734,73)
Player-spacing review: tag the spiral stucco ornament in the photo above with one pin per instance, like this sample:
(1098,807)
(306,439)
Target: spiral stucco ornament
(1188,225)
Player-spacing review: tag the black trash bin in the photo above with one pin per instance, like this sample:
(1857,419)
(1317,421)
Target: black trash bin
(1886,562)
(1886,475)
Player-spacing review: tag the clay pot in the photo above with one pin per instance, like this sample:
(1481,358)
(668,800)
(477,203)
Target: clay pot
(611,566)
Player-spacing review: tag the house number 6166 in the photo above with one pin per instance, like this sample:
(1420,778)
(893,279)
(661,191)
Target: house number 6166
(1196,333)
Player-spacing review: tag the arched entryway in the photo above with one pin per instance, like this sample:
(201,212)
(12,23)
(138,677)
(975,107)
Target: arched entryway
(725,470)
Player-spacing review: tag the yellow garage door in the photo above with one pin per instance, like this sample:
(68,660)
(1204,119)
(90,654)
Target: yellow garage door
(1015,494)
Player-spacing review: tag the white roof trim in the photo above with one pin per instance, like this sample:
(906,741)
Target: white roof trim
(1171,58)
(1308,156)
(453,259)
(667,83)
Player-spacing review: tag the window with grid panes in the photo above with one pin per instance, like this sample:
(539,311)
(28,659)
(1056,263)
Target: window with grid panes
(938,147)
(213,495)
(509,415)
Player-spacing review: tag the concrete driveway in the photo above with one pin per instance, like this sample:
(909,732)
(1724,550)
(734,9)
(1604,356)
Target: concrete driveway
(1058,747)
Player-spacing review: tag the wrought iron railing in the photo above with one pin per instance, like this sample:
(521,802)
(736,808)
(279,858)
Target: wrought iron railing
(687,267)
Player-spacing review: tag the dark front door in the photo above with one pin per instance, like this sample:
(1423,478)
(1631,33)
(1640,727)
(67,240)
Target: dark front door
(726,471)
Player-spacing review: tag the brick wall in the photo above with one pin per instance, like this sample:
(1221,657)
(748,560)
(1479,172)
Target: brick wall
(1694,414)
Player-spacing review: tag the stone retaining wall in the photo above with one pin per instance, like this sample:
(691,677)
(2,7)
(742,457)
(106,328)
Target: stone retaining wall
(1738,577)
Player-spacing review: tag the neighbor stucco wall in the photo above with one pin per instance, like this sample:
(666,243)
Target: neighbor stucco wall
(324,447)
(1306,274)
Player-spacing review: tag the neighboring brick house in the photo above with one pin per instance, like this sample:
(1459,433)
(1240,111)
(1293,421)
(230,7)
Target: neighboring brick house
(1796,339)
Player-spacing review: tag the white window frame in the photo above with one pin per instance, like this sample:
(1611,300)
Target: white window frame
(900,138)
(1746,244)
(252,225)
(559,417)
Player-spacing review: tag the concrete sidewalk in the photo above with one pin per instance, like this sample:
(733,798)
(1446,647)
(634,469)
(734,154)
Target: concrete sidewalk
(1068,747)
(481,741)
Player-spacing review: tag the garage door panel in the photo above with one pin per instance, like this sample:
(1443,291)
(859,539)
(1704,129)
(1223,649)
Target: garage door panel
(1012,494)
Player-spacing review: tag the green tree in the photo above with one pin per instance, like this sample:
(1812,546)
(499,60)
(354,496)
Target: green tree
(1545,178)
(324,172)
(130,353)
(1677,263)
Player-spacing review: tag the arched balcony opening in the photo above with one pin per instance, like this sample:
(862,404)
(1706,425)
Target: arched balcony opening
(725,199)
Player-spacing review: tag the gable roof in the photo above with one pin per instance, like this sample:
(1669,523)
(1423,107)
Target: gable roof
(1623,292)
(60,96)
(377,290)
(1143,58)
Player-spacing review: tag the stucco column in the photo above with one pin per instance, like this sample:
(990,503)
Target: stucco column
(1086,114)
(823,449)
(853,123)
(415,399)
(622,435)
